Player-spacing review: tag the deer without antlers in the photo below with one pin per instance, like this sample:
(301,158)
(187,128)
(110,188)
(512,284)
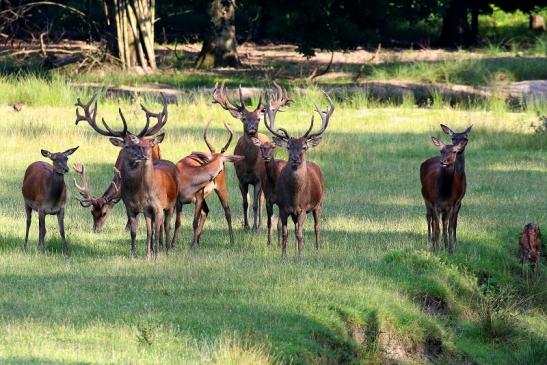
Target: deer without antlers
(200,173)
(443,187)
(530,247)
(248,170)
(299,188)
(148,187)
(44,191)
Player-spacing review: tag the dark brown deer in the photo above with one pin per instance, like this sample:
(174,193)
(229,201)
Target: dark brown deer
(200,173)
(300,187)
(102,206)
(442,190)
(148,187)
(44,191)
(268,180)
(248,170)
(530,246)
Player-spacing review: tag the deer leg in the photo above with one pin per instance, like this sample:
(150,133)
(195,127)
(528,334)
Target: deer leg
(178,219)
(28,211)
(61,221)
(148,220)
(222,194)
(158,226)
(197,214)
(257,205)
(284,231)
(454,223)
(133,227)
(299,231)
(435,230)
(168,215)
(316,217)
(244,188)
(269,213)
(41,230)
(279,230)
(204,213)
(445,214)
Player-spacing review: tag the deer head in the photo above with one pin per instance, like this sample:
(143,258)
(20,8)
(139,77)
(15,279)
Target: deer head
(100,206)
(297,146)
(457,137)
(267,149)
(137,147)
(59,159)
(448,152)
(250,119)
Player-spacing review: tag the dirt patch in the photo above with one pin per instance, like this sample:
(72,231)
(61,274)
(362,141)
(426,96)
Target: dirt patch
(433,305)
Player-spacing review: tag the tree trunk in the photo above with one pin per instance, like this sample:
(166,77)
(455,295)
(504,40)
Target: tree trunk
(455,31)
(220,44)
(474,21)
(134,27)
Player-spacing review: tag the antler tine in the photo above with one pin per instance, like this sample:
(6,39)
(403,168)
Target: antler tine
(309,129)
(83,190)
(91,115)
(227,126)
(161,118)
(259,106)
(270,114)
(281,98)
(220,97)
(206,135)
(325,116)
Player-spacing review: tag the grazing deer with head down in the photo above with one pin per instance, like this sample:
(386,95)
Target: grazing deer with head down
(44,191)
(102,206)
(530,246)
(443,188)
(248,170)
(200,173)
(148,187)
(299,187)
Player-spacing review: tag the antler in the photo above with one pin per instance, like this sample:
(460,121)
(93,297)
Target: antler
(269,114)
(281,98)
(161,119)
(84,190)
(220,97)
(116,183)
(325,116)
(91,115)
(209,144)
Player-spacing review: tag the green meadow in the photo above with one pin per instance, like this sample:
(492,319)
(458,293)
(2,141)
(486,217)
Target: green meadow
(375,293)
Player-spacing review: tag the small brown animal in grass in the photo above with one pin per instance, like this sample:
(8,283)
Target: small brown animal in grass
(530,246)
(44,191)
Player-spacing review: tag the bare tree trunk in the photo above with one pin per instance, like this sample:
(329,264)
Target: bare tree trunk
(134,25)
(220,44)
(455,31)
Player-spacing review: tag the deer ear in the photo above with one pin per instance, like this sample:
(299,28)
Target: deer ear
(313,142)
(117,142)
(468,130)
(438,143)
(46,153)
(236,114)
(233,158)
(70,151)
(256,141)
(447,130)
(158,139)
(280,142)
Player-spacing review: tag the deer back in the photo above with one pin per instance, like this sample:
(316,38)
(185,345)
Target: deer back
(196,173)
(42,186)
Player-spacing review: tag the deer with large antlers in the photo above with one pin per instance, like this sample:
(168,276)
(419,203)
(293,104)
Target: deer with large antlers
(200,174)
(299,188)
(44,191)
(248,170)
(148,187)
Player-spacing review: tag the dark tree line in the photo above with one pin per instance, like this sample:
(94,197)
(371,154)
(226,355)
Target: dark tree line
(131,27)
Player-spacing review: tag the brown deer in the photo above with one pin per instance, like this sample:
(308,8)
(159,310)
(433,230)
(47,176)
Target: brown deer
(102,206)
(248,170)
(300,187)
(147,187)
(530,246)
(442,189)
(268,180)
(44,191)
(200,173)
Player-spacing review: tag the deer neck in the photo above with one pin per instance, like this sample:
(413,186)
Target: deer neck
(459,165)
(250,151)
(271,171)
(298,178)
(57,185)
(138,177)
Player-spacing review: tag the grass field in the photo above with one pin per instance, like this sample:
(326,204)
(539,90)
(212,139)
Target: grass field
(374,294)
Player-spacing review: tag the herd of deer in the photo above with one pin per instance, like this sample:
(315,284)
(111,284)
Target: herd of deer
(158,188)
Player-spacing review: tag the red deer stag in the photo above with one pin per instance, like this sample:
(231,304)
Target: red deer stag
(248,170)
(102,206)
(148,187)
(299,188)
(268,180)
(442,190)
(200,173)
(530,246)
(44,191)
